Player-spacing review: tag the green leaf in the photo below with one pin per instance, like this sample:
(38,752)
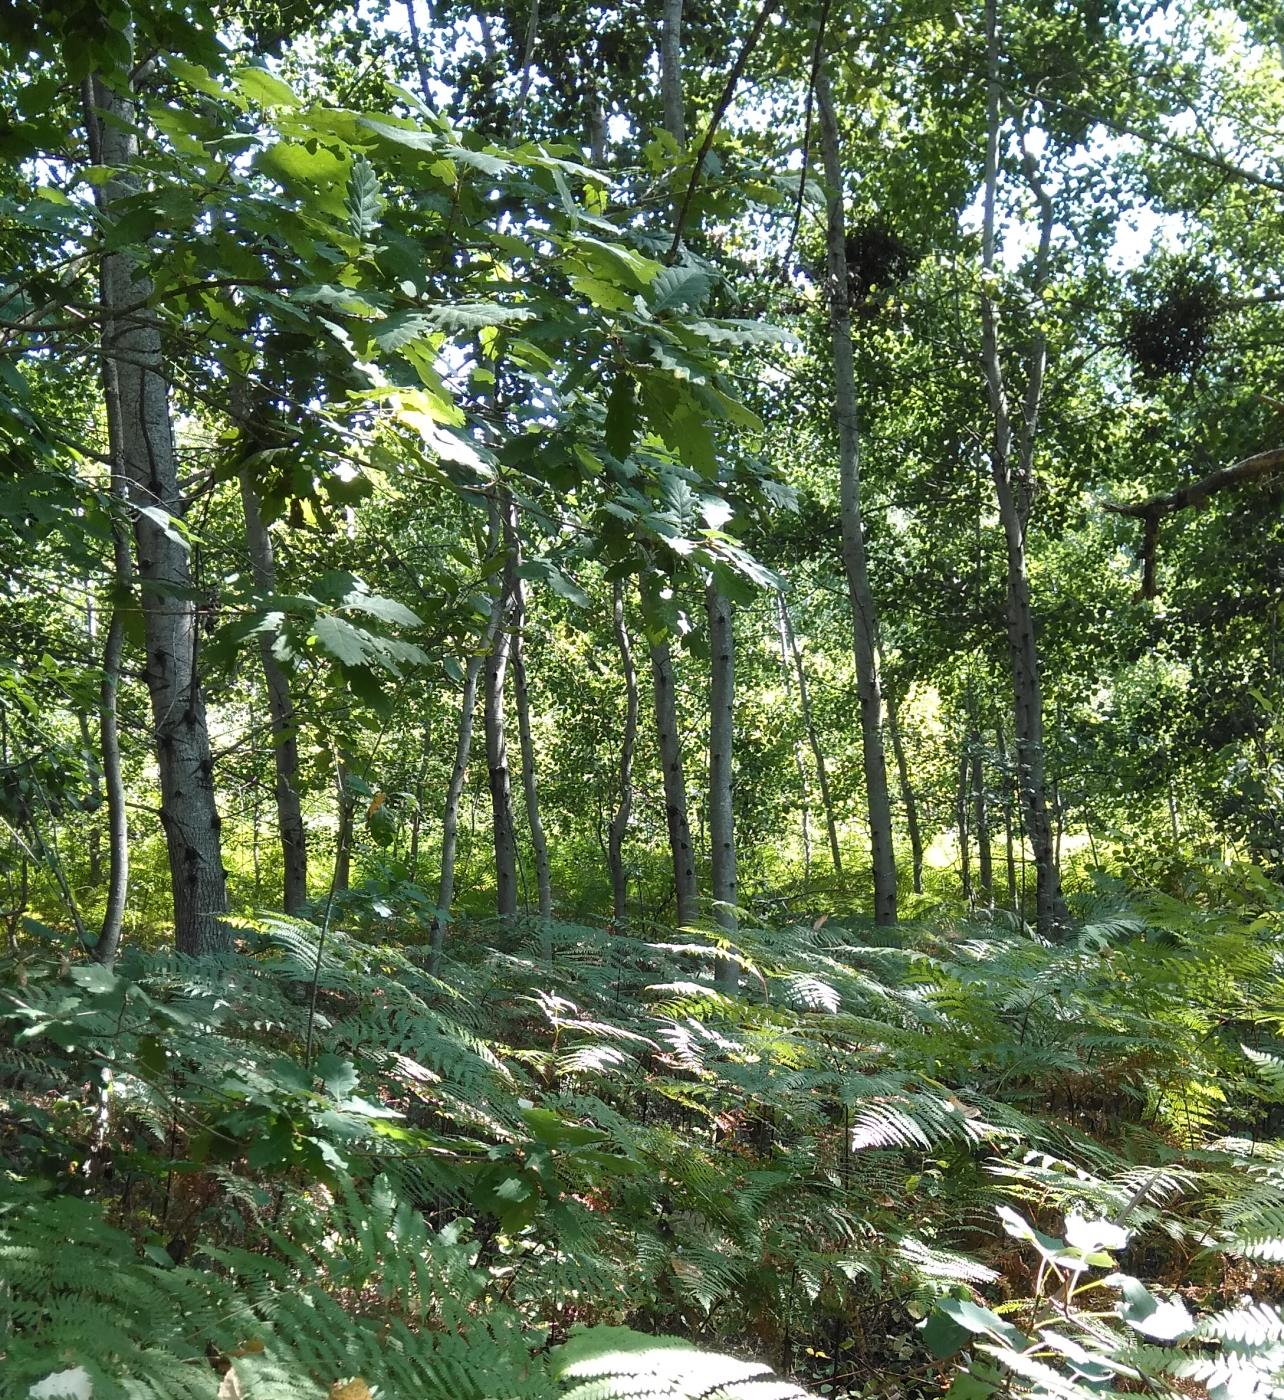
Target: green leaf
(266,88)
(364,203)
(679,287)
(982,1322)
(94,978)
(943,1336)
(562,584)
(337,1074)
(347,644)
(386,608)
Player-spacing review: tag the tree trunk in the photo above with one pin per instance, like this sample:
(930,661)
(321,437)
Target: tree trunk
(144,445)
(722,825)
(285,742)
(864,618)
(908,800)
(619,824)
(521,694)
(809,724)
(686,887)
(1014,484)
(671,94)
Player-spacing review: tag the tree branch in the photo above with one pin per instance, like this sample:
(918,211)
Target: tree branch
(1194,493)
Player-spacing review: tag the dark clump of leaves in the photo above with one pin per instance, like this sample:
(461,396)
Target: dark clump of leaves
(1169,327)
(878,261)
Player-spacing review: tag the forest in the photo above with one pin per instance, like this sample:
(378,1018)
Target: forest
(641,701)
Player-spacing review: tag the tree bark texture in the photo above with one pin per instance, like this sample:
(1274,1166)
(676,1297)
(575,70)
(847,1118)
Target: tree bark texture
(145,448)
(855,565)
(671,91)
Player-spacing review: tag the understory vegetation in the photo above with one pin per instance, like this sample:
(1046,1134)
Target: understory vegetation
(955,1157)
(641,705)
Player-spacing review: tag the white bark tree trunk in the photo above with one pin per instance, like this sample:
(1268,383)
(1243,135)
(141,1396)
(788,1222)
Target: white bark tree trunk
(145,447)
(864,617)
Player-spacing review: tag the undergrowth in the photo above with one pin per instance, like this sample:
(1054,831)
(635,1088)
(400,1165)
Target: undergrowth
(878,1169)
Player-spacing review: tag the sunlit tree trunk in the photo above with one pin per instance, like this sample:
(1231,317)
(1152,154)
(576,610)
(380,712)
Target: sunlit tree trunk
(864,618)
(619,824)
(144,445)
(1012,466)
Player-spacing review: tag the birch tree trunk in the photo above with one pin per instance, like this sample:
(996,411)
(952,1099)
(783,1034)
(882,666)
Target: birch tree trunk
(619,824)
(722,825)
(144,446)
(285,742)
(1012,466)
(671,93)
(521,694)
(864,618)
